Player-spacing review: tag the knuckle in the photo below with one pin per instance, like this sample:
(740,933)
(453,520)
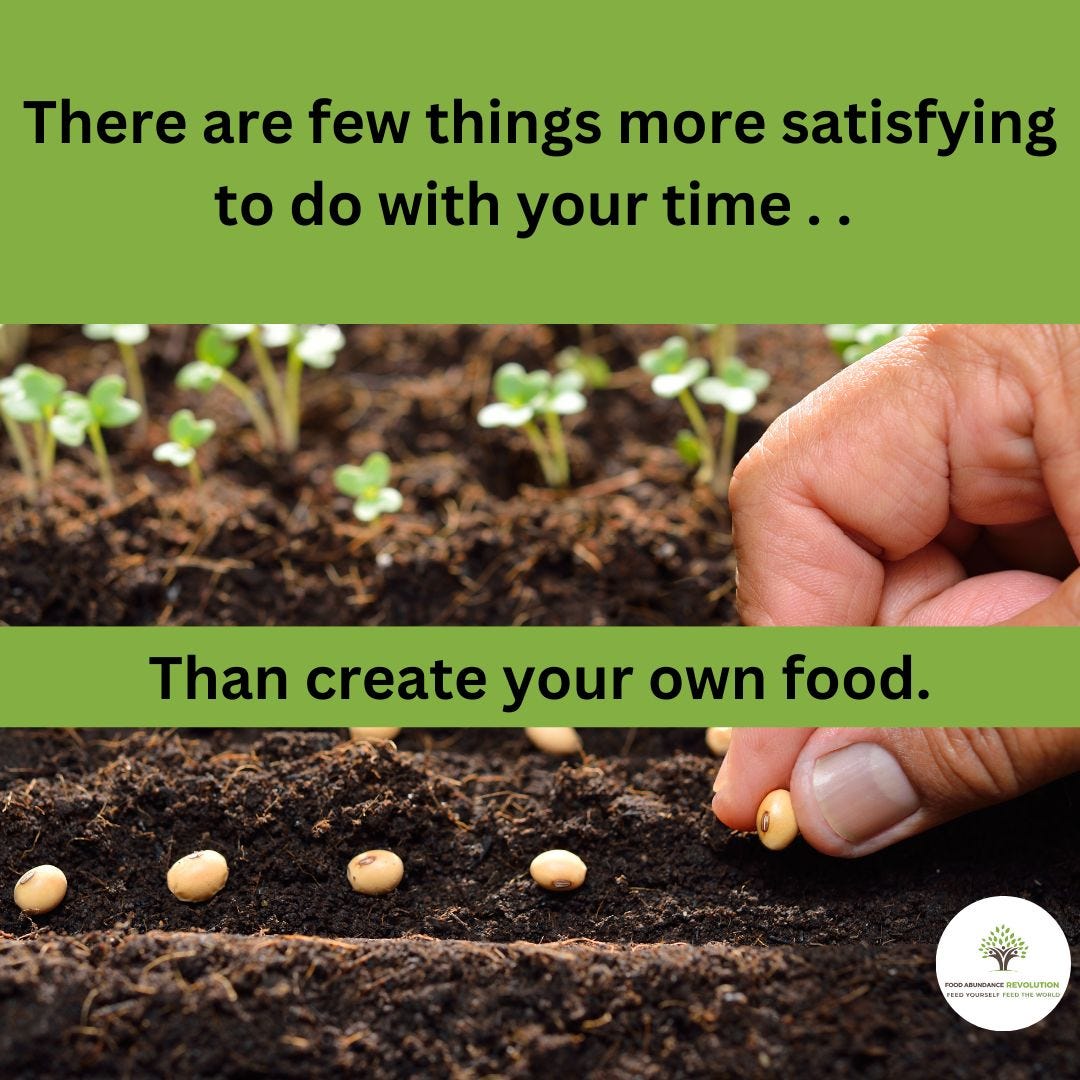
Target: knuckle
(972,765)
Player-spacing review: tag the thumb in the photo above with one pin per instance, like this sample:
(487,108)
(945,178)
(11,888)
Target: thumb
(857,791)
(1060,608)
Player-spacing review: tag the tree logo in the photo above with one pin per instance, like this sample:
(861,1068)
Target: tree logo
(1028,977)
(1002,945)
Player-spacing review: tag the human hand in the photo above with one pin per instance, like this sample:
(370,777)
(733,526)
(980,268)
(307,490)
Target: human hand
(934,483)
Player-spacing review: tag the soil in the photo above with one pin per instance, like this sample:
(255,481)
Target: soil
(267,541)
(690,951)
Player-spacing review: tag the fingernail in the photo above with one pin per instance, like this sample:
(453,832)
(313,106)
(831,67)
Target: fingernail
(862,791)
(718,783)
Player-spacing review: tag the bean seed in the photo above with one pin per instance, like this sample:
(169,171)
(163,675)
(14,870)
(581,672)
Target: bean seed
(718,739)
(40,890)
(373,734)
(557,741)
(375,873)
(776,824)
(558,871)
(198,876)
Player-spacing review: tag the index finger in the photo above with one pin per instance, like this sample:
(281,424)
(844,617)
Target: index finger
(856,472)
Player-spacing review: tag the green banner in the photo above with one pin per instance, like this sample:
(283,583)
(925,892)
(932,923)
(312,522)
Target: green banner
(795,163)
(497,677)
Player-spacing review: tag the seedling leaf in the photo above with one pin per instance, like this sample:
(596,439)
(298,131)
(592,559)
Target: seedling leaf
(367,485)
(174,454)
(199,375)
(499,414)
(186,430)
(319,345)
(214,348)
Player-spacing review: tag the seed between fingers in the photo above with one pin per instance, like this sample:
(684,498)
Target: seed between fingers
(776,824)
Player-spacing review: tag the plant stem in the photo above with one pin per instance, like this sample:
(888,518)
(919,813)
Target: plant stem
(701,430)
(250,402)
(47,450)
(196,474)
(22,453)
(722,345)
(543,454)
(560,459)
(135,380)
(294,369)
(727,451)
(270,381)
(102,455)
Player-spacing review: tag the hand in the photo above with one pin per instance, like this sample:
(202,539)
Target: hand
(934,483)
(858,790)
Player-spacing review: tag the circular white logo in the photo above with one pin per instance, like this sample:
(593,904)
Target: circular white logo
(1003,963)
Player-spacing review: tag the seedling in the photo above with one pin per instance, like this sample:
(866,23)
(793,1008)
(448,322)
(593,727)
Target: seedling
(198,877)
(776,824)
(676,374)
(104,406)
(215,353)
(558,871)
(736,388)
(317,347)
(8,389)
(217,350)
(375,873)
(186,435)
(853,341)
(31,396)
(526,396)
(127,337)
(40,890)
(368,485)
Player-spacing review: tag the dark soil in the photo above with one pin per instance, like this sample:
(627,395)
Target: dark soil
(213,1005)
(804,964)
(268,541)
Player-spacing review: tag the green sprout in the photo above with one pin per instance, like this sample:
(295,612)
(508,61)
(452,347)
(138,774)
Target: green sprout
(186,435)
(260,339)
(32,396)
(215,353)
(736,388)
(368,485)
(853,341)
(317,347)
(523,397)
(218,347)
(127,337)
(674,372)
(9,389)
(678,375)
(104,406)
(595,370)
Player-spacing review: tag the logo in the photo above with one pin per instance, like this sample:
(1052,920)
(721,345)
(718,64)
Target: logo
(1002,945)
(1019,970)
